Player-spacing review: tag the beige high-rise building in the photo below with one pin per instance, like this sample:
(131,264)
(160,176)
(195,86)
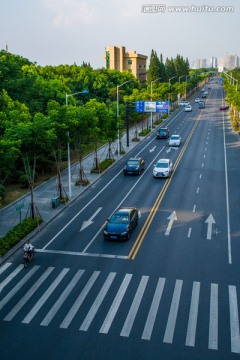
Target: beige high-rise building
(117,58)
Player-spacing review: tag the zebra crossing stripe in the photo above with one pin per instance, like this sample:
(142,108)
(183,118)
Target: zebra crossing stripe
(115,305)
(234,320)
(172,317)
(62,298)
(4,267)
(192,321)
(44,297)
(127,327)
(79,301)
(213,322)
(5,300)
(28,295)
(11,276)
(95,306)
(147,332)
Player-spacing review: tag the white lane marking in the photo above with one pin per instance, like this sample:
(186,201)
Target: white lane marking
(147,332)
(75,307)
(45,296)
(210,221)
(75,253)
(192,321)
(200,176)
(234,320)
(5,300)
(28,294)
(189,232)
(172,317)
(97,303)
(202,164)
(227,197)
(213,322)
(197,190)
(194,208)
(171,218)
(127,327)
(115,305)
(50,315)
(4,267)
(11,276)
(89,222)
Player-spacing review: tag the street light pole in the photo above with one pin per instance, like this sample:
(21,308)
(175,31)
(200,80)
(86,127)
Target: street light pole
(151,100)
(68,146)
(186,87)
(118,130)
(169,84)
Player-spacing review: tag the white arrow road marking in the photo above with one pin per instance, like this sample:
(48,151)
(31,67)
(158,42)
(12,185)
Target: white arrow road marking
(169,149)
(151,150)
(171,219)
(210,221)
(90,222)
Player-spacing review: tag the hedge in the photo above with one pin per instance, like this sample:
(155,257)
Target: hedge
(14,236)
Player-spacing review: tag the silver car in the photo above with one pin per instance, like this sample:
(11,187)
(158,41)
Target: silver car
(175,140)
(163,168)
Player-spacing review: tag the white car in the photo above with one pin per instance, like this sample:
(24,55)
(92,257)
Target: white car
(188,108)
(184,103)
(175,140)
(197,100)
(163,168)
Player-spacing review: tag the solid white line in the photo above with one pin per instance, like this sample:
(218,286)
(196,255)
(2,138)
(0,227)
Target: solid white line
(172,317)
(234,320)
(227,198)
(75,307)
(127,327)
(62,298)
(28,294)
(111,256)
(192,321)
(147,332)
(115,305)
(213,322)
(97,303)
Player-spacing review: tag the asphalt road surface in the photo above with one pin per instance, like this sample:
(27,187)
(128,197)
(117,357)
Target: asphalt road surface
(171,292)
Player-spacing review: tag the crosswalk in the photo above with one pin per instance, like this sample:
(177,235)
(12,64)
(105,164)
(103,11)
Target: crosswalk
(43,293)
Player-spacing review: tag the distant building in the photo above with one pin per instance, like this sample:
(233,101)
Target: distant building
(213,62)
(200,63)
(231,61)
(117,58)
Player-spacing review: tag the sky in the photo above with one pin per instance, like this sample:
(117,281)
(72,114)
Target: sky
(54,32)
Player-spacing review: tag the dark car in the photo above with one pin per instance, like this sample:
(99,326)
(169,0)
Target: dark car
(121,224)
(134,166)
(204,96)
(162,133)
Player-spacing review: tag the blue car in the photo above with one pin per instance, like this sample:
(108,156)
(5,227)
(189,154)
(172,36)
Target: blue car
(121,224)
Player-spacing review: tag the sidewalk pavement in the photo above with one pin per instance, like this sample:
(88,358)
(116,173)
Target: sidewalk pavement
(10,216)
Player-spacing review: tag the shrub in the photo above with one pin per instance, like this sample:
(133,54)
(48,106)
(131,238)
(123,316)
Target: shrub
(14,236)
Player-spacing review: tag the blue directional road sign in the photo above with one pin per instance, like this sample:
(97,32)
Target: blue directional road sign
(152,106)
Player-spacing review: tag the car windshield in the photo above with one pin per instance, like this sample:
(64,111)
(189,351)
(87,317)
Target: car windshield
(162,165)
(162,131)
(120,218)
(133,162)
(175,137)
